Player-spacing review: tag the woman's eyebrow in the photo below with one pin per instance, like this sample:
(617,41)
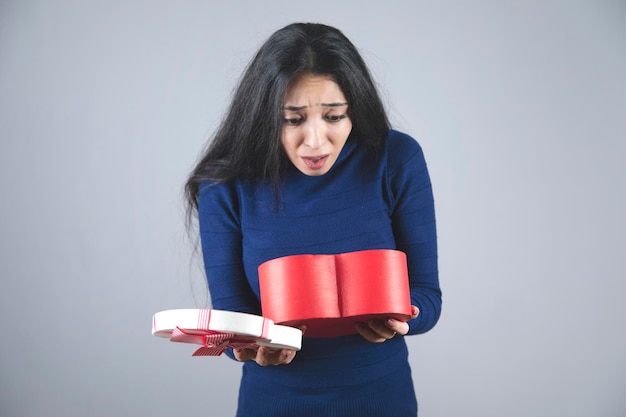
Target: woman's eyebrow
(336,104)
(294,108)
(298,108)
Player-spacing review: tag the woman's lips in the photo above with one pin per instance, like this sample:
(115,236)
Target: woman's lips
(315,162)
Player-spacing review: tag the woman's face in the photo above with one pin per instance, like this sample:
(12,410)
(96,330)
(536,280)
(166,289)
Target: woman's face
(316,124)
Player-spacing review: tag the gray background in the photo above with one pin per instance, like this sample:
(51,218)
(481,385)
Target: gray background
(520,107)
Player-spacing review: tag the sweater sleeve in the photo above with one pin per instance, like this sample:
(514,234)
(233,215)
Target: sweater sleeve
(221,239)
(413,222)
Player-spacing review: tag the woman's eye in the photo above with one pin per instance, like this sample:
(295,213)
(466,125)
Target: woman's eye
(336,118)
(294,121)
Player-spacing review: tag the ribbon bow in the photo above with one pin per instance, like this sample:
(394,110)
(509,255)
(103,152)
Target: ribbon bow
(213,343)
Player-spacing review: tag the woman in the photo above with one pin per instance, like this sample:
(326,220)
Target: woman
(305,162)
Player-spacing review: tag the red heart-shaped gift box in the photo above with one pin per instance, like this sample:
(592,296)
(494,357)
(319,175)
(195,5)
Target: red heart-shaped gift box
(331,293)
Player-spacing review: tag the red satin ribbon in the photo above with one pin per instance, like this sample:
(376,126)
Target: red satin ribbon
(213,343)
(331,293)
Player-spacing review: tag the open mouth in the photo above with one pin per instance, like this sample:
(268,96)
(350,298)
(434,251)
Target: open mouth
(315,162)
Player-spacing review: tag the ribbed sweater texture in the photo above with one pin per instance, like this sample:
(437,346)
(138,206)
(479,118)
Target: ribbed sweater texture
(365,201)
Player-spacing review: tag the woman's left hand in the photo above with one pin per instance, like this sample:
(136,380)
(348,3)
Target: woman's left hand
(377,331)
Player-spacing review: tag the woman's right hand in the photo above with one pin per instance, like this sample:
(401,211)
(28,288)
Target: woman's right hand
(265,356)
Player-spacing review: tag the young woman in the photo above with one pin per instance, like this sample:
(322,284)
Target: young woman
(305,162)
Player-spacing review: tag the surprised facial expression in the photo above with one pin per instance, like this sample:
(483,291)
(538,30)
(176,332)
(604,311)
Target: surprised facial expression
(316,124)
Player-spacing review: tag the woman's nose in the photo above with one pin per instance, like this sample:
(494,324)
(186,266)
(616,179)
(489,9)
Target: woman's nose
(314,136)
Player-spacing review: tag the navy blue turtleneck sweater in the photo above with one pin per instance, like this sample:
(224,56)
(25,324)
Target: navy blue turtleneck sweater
(364,201)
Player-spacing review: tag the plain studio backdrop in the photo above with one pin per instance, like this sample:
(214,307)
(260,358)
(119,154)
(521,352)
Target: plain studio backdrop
(520,107)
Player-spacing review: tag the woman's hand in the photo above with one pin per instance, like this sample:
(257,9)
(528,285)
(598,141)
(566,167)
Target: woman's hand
(377,331)
(266,356)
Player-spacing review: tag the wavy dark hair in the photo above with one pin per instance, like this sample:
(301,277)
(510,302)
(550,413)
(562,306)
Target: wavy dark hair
(247,143)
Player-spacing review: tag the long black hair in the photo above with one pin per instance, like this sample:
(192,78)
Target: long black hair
(247,143)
